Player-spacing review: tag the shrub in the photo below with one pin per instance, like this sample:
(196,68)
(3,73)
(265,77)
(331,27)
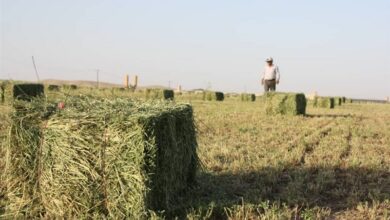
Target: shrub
(27,91)
(100,158)
(285,103)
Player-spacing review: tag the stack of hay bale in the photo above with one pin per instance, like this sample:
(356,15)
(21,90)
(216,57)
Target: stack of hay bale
(285,103)
(214,96)
(99,158)
(248,97)
(324,102)
(165,94)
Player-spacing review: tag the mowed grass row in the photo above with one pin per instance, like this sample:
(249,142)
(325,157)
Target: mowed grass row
(328,163)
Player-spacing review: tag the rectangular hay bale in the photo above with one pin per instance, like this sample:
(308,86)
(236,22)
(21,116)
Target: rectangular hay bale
(104,158)
(245,97)
(53,87)
(27,91)
(285,103)
(324,102)
(165,94)
(214,96)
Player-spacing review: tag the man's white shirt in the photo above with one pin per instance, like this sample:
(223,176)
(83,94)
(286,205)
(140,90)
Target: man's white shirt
(271,72)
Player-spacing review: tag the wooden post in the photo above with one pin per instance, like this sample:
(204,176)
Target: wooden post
(126,81)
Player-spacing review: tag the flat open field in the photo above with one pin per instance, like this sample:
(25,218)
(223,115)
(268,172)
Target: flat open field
(332,163)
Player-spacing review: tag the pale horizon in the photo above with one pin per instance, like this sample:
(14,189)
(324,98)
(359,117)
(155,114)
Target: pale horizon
(334,48)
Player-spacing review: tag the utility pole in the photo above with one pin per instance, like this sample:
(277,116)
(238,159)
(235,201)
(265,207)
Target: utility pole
(97,78)
(35,68)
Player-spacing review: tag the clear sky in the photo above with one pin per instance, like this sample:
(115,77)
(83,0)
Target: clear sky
(335,47)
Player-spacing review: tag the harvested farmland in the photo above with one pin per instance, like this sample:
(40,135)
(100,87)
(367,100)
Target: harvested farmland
(99,158)
(285,103)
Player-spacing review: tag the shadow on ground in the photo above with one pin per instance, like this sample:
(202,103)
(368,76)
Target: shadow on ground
(325,187)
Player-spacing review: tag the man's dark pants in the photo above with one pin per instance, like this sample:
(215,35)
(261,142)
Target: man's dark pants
(269,85)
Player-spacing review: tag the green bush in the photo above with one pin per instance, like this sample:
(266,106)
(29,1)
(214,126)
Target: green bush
(27,91)
(108,159)
(285,103)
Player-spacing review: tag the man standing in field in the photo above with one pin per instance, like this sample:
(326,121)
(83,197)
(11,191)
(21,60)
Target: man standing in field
(270,75)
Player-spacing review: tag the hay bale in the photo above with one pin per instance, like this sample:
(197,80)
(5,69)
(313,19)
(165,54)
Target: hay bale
(214,96)
(53,87)
(285,103)
(248,97)
(338,101)
(104,158)
(2,93)
(27,91)
(69,87)
(165,94)
(324,102)
(344,99)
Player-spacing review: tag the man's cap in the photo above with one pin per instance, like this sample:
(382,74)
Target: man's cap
(269,59)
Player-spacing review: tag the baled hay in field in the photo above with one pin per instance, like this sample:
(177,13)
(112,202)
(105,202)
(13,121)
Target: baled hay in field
(53,87)
(69,87)
(338,101)
(214,96)
(100,158)
(248,97)
(324,102)
(285,103)
(165,94)
(344,99)
(27,91)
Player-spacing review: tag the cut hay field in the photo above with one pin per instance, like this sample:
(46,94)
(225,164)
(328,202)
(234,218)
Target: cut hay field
(329,164)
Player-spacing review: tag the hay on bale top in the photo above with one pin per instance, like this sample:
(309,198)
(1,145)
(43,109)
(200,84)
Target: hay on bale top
(285,103)
(97,157)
